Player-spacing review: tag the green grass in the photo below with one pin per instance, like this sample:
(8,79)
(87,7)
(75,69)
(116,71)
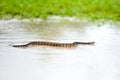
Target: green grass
(91,9)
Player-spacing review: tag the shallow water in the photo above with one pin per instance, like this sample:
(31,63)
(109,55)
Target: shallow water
(99,62)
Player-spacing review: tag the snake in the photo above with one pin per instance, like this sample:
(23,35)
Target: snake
(54,44)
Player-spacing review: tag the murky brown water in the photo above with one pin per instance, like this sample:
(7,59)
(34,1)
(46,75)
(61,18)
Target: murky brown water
(99,62)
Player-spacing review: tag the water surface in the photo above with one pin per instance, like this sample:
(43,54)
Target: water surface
(99,62)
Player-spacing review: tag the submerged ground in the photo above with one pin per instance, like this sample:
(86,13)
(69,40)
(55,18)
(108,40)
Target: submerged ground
(99,62)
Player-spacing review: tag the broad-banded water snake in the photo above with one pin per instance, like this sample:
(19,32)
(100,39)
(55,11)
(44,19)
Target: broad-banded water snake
(54,44)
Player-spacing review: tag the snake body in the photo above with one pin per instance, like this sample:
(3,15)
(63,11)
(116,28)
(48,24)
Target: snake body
(55,44)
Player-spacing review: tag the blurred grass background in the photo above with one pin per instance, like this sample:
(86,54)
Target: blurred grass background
(92,9)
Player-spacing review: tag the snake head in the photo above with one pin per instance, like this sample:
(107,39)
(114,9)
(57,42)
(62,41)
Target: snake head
(85,43)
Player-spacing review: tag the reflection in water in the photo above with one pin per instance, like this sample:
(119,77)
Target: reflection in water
(99,62)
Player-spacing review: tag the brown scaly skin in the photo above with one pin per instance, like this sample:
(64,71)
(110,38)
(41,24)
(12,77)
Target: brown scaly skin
(74,44)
